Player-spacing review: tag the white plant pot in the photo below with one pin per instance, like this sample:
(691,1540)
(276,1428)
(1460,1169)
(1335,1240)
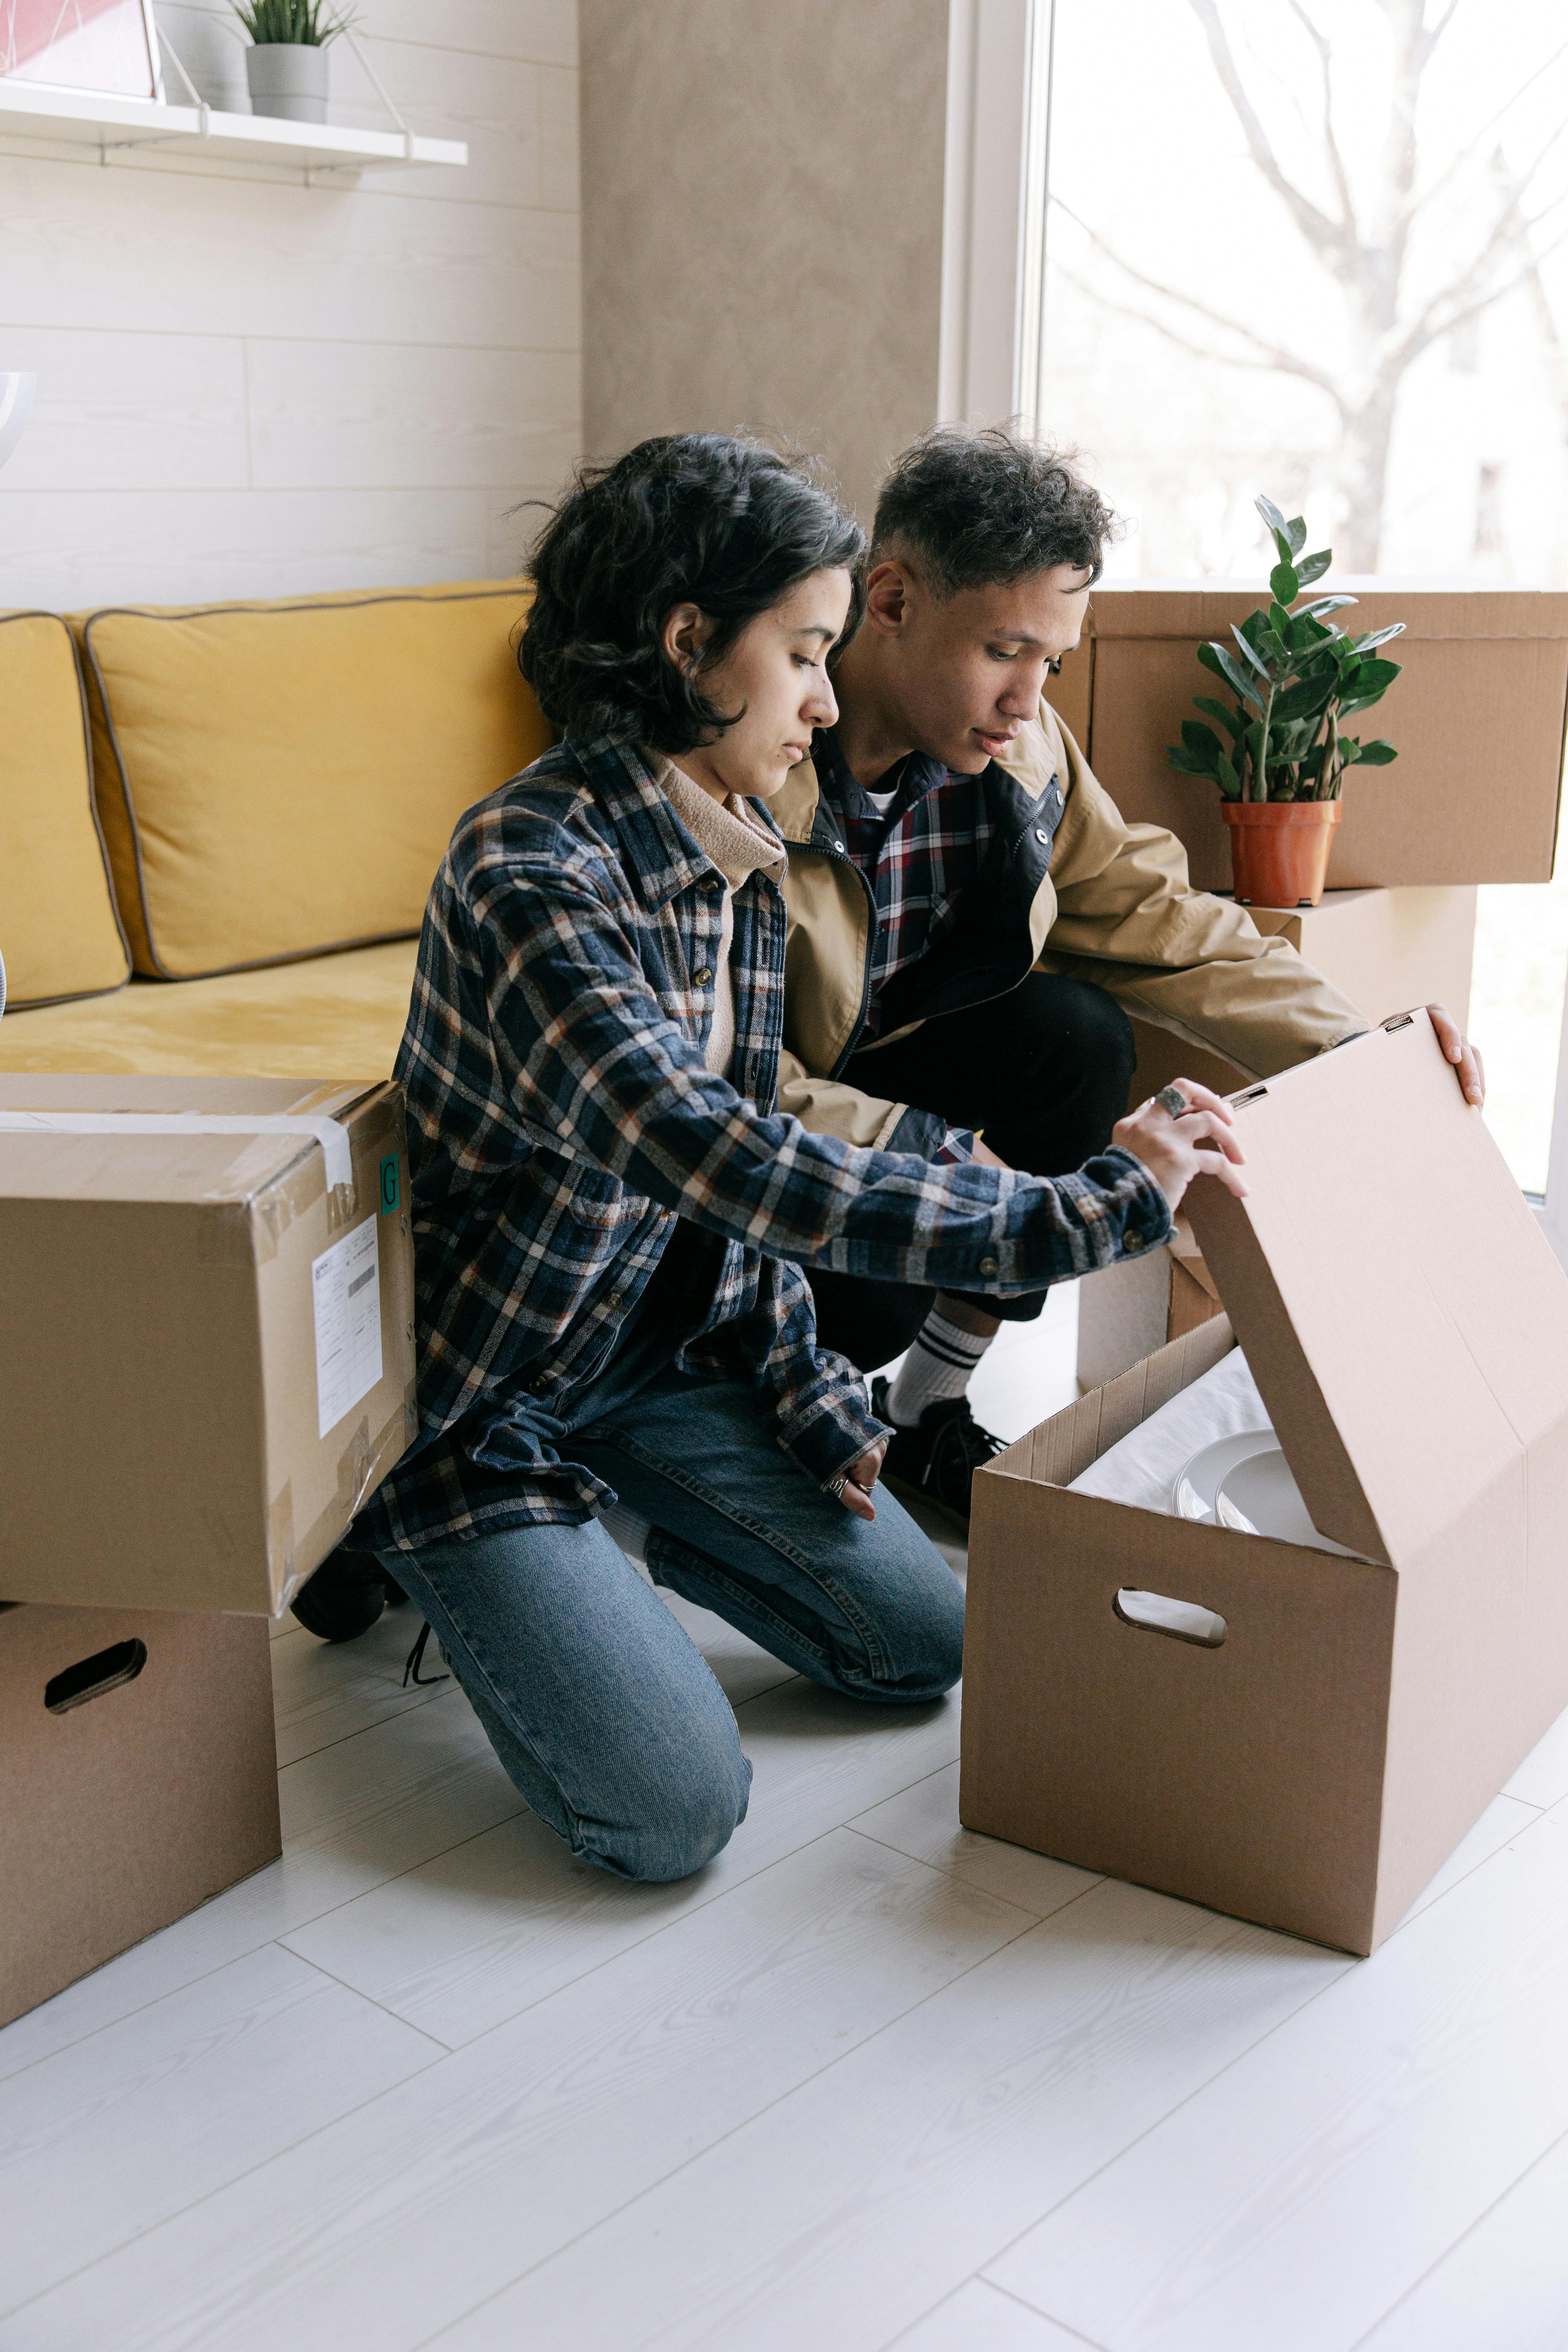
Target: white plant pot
(288,79)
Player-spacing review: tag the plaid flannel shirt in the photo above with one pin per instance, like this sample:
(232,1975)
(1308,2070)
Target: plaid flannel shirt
(562,1120)
(919,858)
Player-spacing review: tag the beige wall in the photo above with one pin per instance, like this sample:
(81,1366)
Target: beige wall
(762,214)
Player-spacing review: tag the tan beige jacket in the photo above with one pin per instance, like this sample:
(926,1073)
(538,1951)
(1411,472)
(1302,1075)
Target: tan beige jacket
(1088,895)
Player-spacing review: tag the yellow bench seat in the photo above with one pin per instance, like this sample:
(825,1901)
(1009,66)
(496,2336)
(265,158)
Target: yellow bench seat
(333,1016)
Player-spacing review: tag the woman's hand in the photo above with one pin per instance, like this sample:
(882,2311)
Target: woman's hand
(854,1488)
(1171,1143)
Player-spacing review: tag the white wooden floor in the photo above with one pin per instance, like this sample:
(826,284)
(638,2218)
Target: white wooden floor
(868,2081)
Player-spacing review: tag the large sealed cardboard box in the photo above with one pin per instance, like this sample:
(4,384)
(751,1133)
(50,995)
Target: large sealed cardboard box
(1477,719)
(137,1759)
(1407,1326)
(206,1313)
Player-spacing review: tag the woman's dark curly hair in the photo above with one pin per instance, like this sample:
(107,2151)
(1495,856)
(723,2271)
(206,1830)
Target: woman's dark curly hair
(691,517)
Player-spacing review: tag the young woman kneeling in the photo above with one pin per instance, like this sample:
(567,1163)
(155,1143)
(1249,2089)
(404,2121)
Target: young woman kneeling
(608,1211)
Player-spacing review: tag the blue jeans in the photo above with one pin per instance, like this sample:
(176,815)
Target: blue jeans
(607,1717)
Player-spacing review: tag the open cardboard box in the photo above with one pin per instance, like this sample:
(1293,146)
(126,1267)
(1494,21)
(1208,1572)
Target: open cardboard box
(1407,1326)
(206,1315)
(141,1777)
(1477,719)
(1383,949)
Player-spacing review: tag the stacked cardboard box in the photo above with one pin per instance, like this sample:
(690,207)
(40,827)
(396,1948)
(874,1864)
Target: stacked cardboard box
(1479,720)
(206,1311)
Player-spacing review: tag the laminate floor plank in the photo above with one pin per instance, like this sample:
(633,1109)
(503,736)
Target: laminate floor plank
(855,2204)
(979,2318)
(1504,2287)
(375,2233)
(1298,2196)
(923,1820)
(107,2138)
(324,1692)
(480,1933)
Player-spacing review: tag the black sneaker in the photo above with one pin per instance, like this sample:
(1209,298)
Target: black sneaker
(344,1597)
(938,1458)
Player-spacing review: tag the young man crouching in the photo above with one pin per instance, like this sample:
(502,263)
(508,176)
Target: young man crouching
(971,918)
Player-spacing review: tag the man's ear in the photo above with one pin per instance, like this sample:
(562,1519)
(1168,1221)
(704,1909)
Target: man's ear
(891,592)
(685,632)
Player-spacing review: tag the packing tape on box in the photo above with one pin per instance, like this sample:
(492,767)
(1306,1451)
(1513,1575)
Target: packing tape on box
(333,1137)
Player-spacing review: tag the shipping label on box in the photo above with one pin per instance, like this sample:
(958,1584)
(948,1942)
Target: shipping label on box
(211,1282)
(1407,1326)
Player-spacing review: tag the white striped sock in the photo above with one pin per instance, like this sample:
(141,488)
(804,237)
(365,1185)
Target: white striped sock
(938,1365)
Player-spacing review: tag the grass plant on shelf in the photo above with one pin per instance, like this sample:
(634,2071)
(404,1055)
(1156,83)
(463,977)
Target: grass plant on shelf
(286,65)
(292,23)
(1296,676)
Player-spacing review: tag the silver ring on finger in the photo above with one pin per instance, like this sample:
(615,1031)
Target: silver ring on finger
(835,1486)
(1171,1099)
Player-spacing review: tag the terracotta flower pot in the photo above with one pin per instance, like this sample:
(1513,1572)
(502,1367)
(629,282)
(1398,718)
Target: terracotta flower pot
(1279,850)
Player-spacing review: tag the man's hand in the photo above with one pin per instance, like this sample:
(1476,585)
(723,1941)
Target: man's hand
(855,1493)
(1171,1147)
(1459,1050)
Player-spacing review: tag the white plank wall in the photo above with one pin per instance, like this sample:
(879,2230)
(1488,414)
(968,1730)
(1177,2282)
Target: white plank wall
(248,385)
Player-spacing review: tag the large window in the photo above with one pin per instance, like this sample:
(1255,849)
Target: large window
(1313,247)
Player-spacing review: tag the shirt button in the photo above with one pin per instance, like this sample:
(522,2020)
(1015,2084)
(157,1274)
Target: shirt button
(614,1299)
(703,977)
(987,1266)
(1040,833)
(1131,1242)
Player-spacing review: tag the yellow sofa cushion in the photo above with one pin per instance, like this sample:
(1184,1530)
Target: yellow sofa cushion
(279,779)
(338,1016)
(60,935)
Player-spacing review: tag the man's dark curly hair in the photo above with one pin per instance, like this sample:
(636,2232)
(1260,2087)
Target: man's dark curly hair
(977,510)
(691,517)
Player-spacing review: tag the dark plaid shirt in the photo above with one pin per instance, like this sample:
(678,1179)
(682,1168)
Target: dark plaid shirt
(919,858)
(563,1121)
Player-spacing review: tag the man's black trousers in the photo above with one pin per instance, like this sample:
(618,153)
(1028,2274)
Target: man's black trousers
(1045,1070)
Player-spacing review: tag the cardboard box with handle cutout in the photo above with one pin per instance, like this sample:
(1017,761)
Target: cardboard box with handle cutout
(1407,1326)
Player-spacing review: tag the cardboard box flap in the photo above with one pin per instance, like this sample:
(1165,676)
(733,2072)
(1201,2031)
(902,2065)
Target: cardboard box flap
(1406,1320)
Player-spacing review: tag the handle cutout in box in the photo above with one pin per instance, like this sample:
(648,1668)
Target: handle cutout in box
(106,1670)
(1183,1620)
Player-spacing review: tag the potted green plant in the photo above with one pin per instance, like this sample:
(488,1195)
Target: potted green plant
(286,66)
(1296,677)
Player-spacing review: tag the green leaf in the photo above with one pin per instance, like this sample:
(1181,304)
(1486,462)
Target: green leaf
(1307,700)
(1285,585)
(1227,778)
(1313,567)
(1272,516)
(1322,604)
(1296,533)
(1379,636)
(1280,624)
(1305,633)
(1201,740)
(1223,664)
(1186,765)
(1248,650)
(1376,754)
(1371,679)
(1229,717)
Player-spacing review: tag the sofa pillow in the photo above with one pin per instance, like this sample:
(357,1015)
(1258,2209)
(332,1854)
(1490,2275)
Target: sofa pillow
(60,935)
(275,780)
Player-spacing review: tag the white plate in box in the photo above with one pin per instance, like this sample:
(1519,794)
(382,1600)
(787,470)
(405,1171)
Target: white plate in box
(1258,1494)
(1198,1485)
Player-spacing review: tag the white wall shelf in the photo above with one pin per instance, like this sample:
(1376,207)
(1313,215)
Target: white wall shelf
(113,125)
